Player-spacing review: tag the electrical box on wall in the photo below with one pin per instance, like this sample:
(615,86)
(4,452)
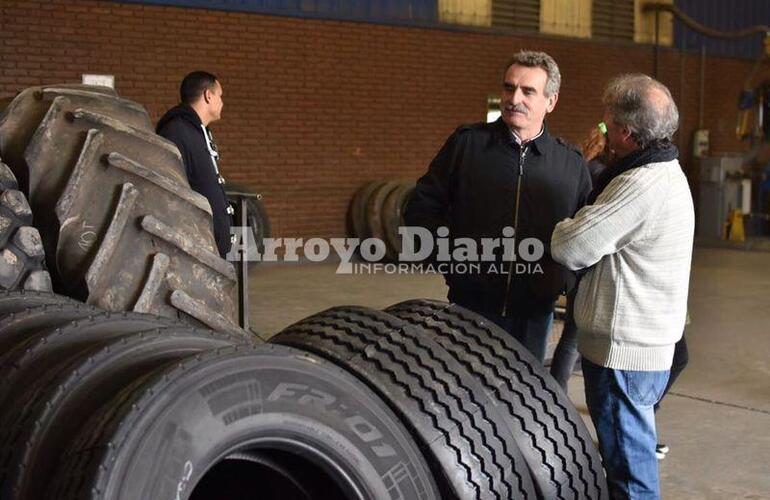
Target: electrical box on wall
(700,143)
(101,80)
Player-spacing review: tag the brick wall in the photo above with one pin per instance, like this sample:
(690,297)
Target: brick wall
(314,108)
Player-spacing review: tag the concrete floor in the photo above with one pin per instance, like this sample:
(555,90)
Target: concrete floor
(717,417)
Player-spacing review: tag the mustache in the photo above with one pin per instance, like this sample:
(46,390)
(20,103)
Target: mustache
(520,108)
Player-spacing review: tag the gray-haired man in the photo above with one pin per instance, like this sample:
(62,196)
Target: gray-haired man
(635,239)
(490,179)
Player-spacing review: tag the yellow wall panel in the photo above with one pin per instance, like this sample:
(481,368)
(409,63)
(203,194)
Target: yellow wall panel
(466,12)
(644,24)
(566,17)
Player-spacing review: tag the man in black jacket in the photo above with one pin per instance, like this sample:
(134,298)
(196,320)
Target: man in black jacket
(186,125)
(492,177)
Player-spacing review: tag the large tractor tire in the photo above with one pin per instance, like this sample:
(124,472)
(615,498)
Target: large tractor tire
(471,451)
(548,429)
(240,423)
(22,259)
(120,225)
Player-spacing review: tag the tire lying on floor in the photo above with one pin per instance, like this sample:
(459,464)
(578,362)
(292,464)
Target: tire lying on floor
(34,435)
(548,429)
(18,326)
(120,225)
(243,422)
(18,300)
(463,436)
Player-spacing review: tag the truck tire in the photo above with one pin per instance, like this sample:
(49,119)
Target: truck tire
(38,356)
(22,259)
(259,223)
(374,210)
(18,326)
(11,302)
(120,225)
(393,217)
(205,429)
(358,209)
(548,429)
(31,444)
(470,451)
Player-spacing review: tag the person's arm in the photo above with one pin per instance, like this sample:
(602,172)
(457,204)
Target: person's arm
(175,134)
(604,228)
(584,189)
(430,203)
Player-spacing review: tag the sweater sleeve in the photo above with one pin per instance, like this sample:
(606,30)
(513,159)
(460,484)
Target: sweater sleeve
(612,222)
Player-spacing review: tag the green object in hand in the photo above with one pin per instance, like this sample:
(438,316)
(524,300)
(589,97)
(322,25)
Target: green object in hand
(603,128)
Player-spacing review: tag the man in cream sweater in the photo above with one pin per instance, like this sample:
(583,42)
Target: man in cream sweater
(634,242)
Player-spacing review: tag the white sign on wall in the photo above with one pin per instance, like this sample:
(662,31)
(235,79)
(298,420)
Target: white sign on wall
(102,80)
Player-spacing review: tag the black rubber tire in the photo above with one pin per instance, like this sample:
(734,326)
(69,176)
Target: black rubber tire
(465,439)
(40,355)
(21,118)
(22,259)
(120,225)
(548,429)
(393,217)
(259,223)
(357,209)
(374,210)
(11,302)
(158,437)
(18,326)
(33,440)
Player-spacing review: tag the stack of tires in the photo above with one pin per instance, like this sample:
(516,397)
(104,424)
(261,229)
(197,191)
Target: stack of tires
(422,401)
(120,397)
(377,211)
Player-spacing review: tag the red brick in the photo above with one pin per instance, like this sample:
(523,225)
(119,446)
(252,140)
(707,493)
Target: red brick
(314,109)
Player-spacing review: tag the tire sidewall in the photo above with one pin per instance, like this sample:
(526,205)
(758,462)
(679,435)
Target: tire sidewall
(265,401)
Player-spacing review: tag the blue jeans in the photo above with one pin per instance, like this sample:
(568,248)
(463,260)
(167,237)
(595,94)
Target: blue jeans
(621,406)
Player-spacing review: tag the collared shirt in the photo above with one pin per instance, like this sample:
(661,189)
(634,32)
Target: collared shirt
(518,139)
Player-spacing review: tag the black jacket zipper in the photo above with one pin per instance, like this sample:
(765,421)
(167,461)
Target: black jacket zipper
(522,155)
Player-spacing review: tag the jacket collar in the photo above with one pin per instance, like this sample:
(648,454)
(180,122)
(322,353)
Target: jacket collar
(182,111)
(540,145)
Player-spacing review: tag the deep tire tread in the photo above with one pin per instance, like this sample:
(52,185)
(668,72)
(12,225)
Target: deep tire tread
(420,371)
(565,450)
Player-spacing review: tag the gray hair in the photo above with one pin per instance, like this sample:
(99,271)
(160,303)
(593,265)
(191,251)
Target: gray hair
(632,101)
(542,60)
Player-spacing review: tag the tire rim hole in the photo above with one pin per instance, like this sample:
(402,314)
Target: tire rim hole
(268,475)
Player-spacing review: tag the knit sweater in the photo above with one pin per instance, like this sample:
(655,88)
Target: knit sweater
(637,241)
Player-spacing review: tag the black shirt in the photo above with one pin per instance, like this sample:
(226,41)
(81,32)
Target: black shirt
(182,126)
(470,187)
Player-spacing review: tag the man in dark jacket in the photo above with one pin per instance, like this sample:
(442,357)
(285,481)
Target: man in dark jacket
(507,174)
(186,125)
